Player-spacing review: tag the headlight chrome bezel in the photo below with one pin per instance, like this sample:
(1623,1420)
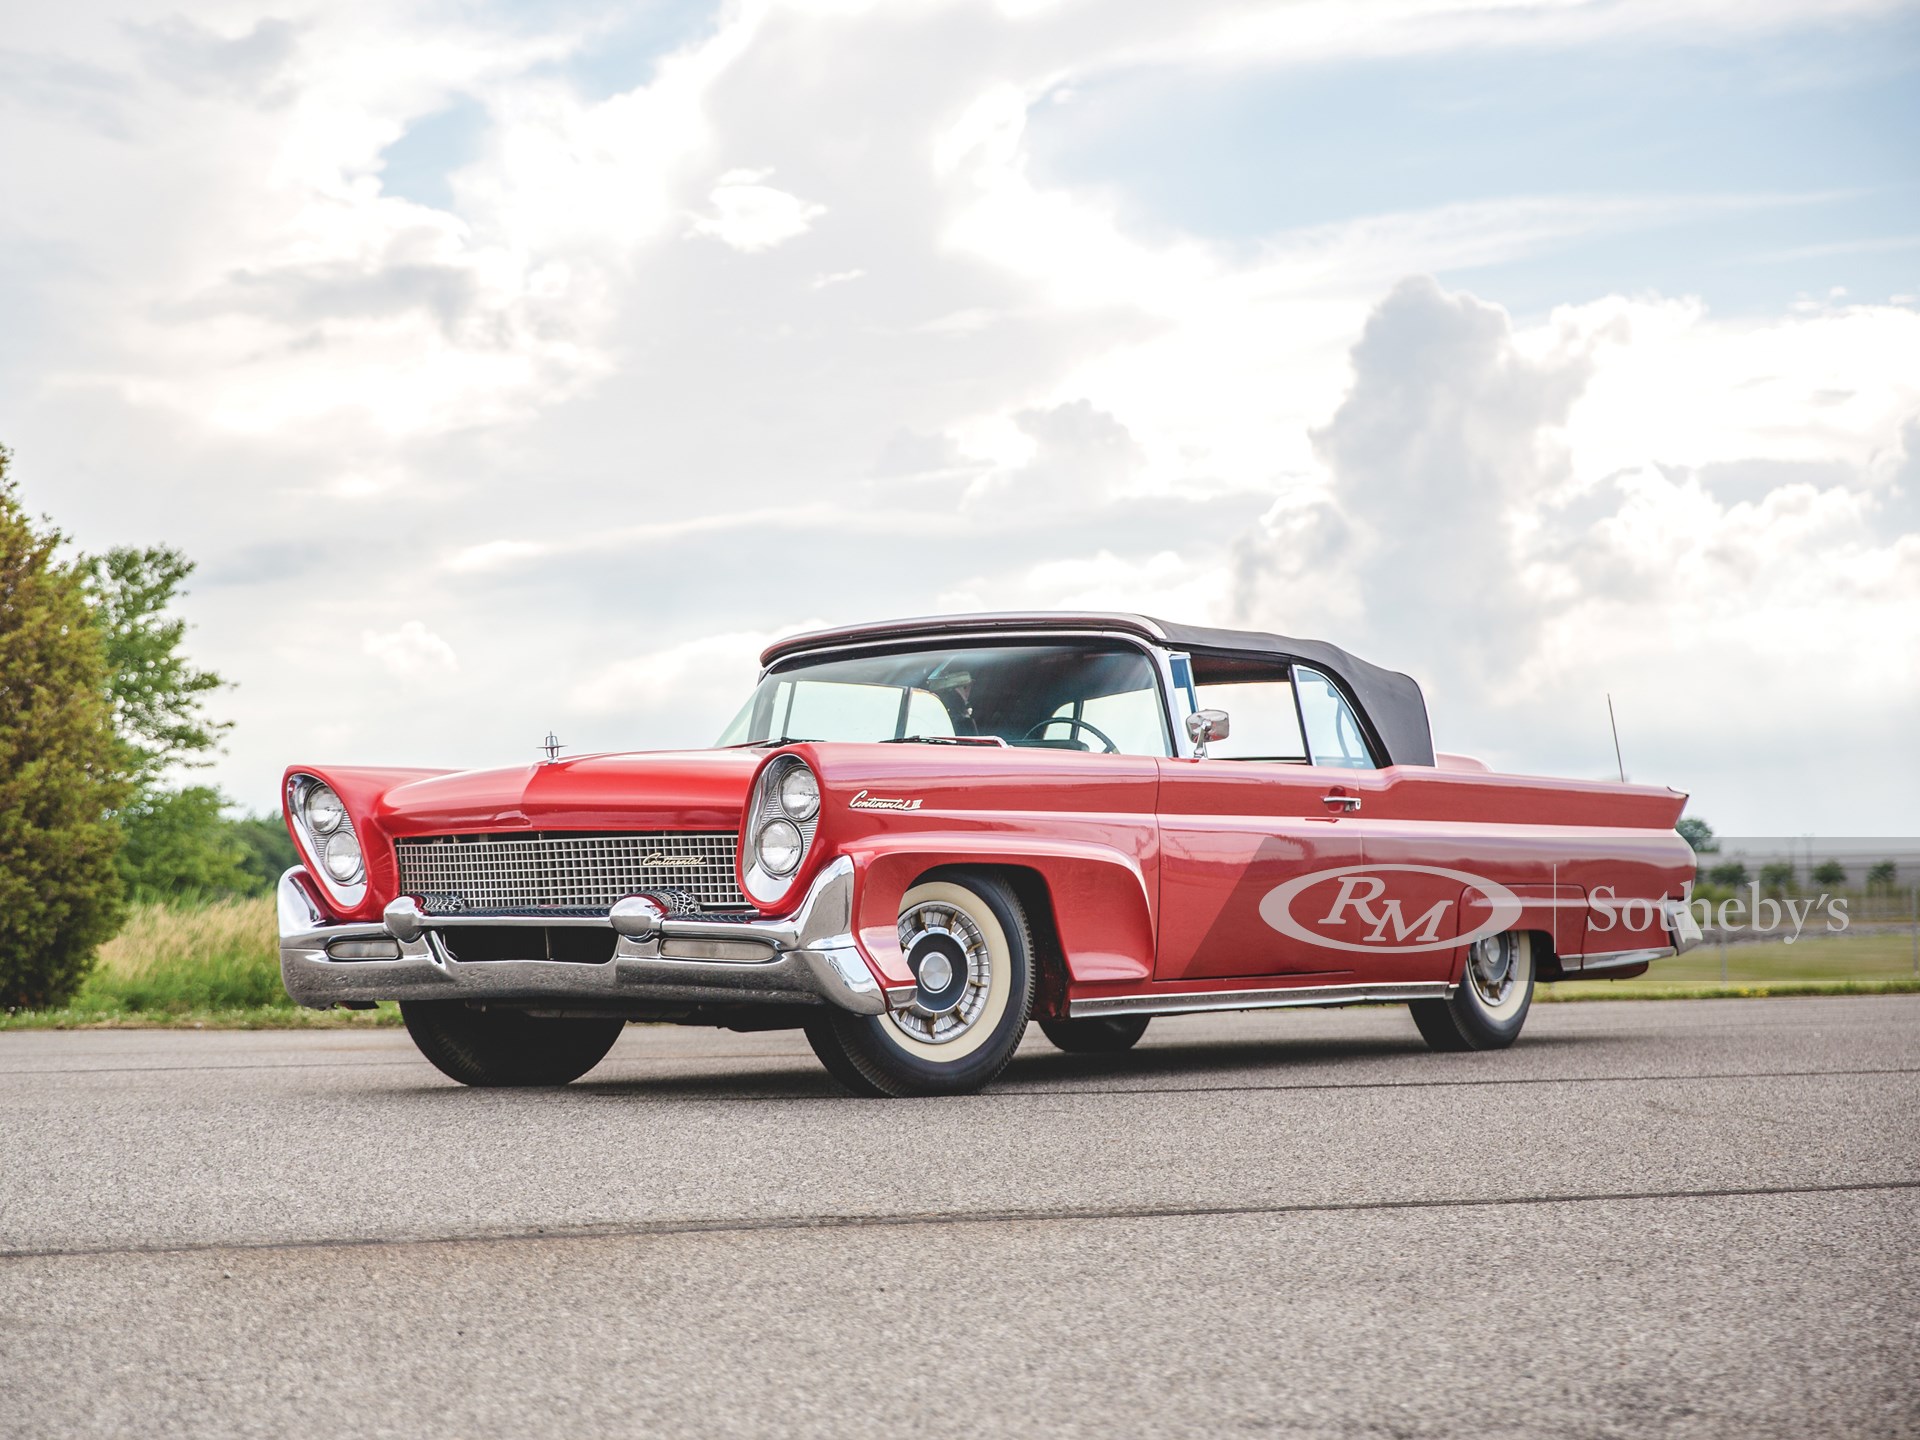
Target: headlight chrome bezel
(768,810)
(321,845)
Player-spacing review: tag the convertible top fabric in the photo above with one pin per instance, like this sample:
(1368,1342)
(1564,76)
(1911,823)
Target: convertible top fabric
(1390,703)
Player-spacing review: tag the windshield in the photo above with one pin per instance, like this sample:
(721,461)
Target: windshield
(1097,696)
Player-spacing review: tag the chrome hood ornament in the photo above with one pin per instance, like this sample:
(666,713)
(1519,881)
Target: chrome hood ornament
(552,746)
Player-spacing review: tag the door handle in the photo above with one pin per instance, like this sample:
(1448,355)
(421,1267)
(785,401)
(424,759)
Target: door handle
(1344,802)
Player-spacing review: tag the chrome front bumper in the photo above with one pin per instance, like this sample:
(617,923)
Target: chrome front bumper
(807,958)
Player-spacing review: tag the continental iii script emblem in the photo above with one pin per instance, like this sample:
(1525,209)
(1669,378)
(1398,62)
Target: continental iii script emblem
(867,801)
(660,860)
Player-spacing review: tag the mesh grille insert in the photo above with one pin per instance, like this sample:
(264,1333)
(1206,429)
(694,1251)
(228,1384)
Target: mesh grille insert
(454,873)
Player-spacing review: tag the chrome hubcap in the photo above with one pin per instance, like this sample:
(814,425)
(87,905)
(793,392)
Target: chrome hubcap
(1491,967)
(953,968)
(936,973)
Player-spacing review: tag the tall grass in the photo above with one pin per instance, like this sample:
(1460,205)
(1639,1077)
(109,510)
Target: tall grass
(222,956)
(214,964)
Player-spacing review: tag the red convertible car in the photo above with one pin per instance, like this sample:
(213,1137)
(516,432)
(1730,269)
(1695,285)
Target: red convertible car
(917,836)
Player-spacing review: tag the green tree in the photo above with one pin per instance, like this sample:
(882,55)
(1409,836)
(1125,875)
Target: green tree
(1776,878)
(270,852)
(179,844)
(1732,874)
(60,777)
(1830,872)
(1698,834)
(1882,876)
(158,695)
(181,848)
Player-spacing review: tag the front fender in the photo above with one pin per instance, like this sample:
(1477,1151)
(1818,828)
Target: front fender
(1102,904)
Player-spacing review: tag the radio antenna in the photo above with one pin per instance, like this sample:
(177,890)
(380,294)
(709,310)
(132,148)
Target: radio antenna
(1620,764)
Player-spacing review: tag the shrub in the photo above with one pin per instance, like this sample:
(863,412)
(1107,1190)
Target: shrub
(1732,874)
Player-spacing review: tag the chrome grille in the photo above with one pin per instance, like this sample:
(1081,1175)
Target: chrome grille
(452,873)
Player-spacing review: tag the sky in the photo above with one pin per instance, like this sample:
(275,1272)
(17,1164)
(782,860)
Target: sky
(517,367)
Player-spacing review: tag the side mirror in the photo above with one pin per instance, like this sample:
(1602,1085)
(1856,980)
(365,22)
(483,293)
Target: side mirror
(1206,726)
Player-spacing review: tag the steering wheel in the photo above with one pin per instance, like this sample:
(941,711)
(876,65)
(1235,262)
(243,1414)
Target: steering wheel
(1078,725)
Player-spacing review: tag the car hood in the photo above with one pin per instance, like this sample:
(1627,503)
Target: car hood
(666,790)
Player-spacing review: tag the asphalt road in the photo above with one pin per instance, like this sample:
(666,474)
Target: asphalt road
(1686,1218)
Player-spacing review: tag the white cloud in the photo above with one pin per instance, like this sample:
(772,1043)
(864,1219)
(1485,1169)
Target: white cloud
(1525,556)
(495,555)
(680,695)
(1165,583)
(411,653)
(751,216)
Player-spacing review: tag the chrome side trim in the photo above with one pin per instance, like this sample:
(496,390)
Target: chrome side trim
(1277,998)
(1618,959)
(808,957)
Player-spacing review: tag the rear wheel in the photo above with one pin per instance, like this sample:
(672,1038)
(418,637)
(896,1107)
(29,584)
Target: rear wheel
(966,940)
(1491,1003)
(1107,1035)
(506,1047)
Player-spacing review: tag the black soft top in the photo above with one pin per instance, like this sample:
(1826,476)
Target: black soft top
(1391,703)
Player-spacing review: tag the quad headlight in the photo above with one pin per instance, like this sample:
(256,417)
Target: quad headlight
(780,847)
(325,831)
(799,793)
(323,809)
(782,814)
(343,859)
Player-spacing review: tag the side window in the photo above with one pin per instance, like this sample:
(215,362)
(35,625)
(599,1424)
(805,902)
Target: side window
(1265,725)
(1333,731)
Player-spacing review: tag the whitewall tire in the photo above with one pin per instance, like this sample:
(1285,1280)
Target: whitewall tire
(1492,1001)
(966,939)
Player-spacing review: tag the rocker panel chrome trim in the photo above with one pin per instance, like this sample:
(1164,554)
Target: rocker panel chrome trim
(1277,998)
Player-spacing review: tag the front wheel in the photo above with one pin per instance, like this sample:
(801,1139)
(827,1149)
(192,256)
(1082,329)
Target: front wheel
(967,942)
(506,1047)
(1491,1003)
